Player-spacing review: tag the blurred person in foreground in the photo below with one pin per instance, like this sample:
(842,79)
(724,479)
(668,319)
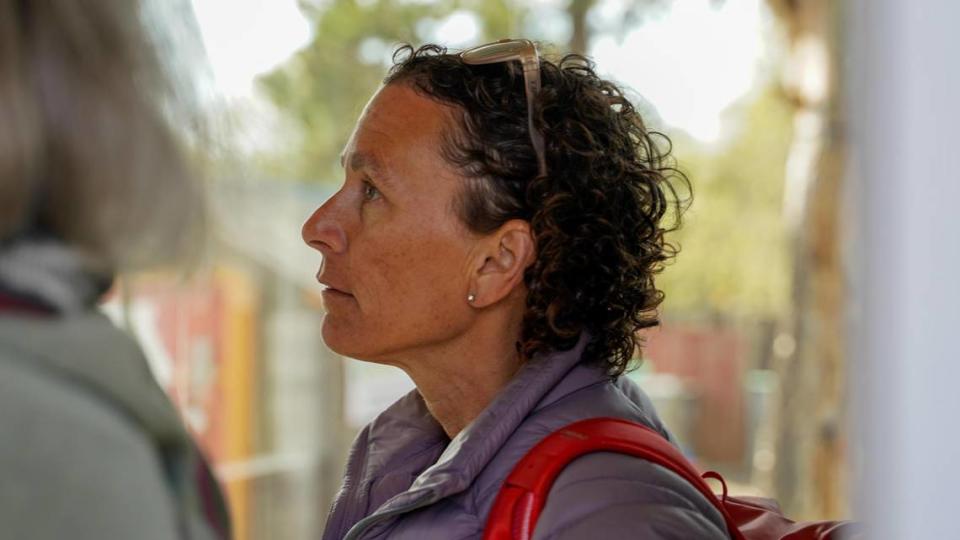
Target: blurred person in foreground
(497,237)
(92,182)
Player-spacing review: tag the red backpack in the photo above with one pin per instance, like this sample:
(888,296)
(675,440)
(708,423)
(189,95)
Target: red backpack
(524,493)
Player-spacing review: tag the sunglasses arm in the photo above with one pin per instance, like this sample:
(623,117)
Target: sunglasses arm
(531,71)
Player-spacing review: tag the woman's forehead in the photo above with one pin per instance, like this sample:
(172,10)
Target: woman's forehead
(397,123)
(399,110)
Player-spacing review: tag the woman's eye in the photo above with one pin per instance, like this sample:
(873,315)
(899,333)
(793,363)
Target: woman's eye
(370,192)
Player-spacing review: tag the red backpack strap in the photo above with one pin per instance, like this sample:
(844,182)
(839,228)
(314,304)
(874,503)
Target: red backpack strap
(524,493)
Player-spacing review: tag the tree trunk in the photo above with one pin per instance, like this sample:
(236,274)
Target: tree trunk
(580,39)
(810,478)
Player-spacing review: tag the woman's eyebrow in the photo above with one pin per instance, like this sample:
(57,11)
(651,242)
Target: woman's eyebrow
(359,160)
(370,163)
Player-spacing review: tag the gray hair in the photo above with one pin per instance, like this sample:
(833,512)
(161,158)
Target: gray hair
(88,153)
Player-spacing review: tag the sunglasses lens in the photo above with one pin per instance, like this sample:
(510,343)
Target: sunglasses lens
(496,52)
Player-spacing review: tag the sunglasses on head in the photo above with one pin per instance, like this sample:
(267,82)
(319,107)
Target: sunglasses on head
(507,50)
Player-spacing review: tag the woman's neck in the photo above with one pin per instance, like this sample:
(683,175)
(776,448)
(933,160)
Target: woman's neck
(459,381)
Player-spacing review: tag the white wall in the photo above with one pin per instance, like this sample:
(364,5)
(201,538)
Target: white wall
(903,77)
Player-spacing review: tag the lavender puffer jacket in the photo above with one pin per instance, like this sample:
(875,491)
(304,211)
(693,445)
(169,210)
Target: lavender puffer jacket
(406,480)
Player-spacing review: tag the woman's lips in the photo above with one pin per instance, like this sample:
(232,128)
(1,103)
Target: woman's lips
(328,285)
(333,296)
(337,292)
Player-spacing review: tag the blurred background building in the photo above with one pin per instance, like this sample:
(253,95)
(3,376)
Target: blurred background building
(748,367)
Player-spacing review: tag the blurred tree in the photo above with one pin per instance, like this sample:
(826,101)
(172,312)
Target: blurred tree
(734,256)
(578,15)
(323,88)
(811,450)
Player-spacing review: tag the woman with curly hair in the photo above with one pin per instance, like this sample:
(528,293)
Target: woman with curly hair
(497,237)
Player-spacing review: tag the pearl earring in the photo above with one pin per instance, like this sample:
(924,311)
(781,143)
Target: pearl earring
(471,297)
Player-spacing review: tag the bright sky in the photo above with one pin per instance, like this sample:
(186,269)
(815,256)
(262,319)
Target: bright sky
(690,63)
(245,38)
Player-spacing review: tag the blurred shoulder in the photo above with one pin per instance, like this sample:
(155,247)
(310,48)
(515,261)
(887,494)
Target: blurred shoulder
(76,467)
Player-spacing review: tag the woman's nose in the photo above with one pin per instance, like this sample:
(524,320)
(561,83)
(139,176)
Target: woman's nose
(323,232)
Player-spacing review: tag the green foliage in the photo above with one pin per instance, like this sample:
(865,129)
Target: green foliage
(735,256)
(323,88)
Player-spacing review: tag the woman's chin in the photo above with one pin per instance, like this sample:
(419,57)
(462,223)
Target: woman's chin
(343,340)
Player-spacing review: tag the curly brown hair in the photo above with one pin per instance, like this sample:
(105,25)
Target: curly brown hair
(597,216)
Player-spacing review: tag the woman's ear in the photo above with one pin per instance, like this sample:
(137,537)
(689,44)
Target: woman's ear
(502,260)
